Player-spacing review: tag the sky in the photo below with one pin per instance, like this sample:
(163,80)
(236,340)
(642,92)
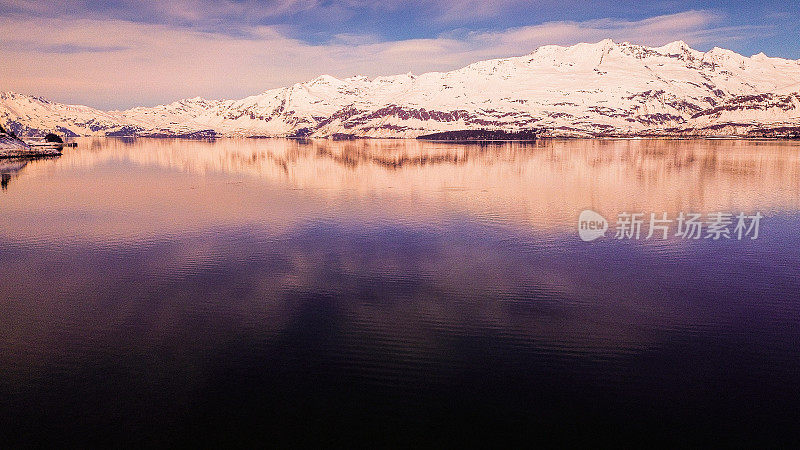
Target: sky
(117,54)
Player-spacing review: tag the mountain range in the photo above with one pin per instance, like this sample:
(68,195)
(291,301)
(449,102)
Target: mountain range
(585,90)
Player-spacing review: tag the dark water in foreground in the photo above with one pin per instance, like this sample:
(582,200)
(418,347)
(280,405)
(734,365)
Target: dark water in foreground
(157,291)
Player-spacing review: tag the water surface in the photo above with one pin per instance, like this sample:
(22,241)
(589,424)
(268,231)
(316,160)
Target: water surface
(154,291)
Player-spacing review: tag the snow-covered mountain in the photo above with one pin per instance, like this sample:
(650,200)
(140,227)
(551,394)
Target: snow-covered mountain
(10,144)
(583,90)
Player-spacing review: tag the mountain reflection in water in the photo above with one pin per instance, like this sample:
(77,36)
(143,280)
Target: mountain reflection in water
(160,290)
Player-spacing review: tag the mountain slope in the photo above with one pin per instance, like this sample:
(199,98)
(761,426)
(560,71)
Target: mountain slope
(585,90)
(10,144)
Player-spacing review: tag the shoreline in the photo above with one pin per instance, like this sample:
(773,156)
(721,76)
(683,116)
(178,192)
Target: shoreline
(29,153)
(458,141)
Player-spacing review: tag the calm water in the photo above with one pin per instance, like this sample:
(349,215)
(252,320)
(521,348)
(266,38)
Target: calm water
(156,291)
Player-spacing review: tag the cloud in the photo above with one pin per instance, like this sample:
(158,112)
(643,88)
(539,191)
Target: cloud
(198,12)
(697,28)
(118,63)
(187,11)
(448,11)
(23,47)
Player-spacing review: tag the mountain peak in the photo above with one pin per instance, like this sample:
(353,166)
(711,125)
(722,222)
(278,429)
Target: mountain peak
(721,51)
(325,79)
(27,97)
(723,54)
(602,46)
(676,47)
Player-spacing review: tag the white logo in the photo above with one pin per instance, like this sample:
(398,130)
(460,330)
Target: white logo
(591,226)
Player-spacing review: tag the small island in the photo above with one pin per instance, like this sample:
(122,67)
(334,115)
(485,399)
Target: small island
(53,138)
(481,135)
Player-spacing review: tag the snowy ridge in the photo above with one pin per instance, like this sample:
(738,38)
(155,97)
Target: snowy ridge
(601,89)
(10,144)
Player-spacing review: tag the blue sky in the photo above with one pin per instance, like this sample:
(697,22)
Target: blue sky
(122,53)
